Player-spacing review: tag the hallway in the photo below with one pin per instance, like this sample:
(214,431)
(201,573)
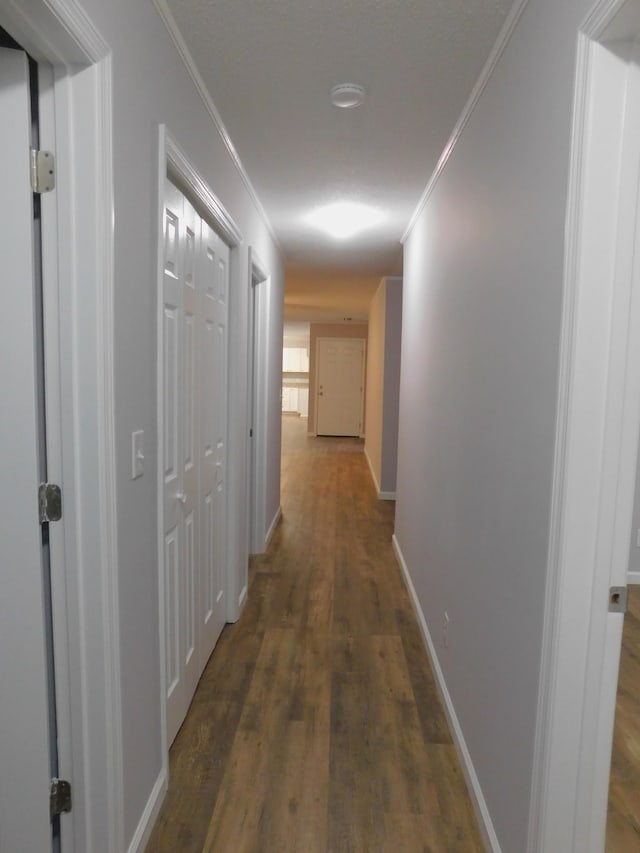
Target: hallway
(317,725)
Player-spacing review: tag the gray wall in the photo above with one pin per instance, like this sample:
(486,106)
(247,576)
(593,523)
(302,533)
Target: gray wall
(392,337)
(151,86)
(483,272)
(383,383)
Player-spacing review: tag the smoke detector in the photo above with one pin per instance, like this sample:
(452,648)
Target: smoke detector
(347,95)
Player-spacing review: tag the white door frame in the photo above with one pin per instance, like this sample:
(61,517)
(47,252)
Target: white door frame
(173,163)
(78,307)
(259,285)
(596,444)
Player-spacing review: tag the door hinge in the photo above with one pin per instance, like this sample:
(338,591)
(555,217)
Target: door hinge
(49,502)
(618,599)
(43,171)
(59,797)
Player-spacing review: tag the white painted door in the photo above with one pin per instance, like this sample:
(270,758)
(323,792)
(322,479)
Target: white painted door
(24,735)
(194,392)
(214,290)
(174,499)
(340,386)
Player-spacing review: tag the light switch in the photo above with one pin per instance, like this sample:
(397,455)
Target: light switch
(137,454)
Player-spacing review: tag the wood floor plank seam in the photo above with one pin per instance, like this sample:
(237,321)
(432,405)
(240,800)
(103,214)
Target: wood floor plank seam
(317,724)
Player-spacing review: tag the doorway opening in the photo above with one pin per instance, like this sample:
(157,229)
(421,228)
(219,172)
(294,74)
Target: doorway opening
(597,440)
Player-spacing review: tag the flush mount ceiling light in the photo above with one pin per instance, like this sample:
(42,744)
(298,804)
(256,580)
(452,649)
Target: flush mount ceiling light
(344,219)
(347,95)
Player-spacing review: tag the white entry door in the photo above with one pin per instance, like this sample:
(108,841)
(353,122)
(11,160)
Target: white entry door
(24,734)
(194,393)
(340,386)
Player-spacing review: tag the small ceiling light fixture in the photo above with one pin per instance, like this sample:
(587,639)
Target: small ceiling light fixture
(344,219)
(347,95)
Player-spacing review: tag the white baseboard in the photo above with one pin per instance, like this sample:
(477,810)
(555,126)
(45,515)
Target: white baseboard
(150,814)
(382,496)
(272,527)
(371,470)
(633,577)
(479,803)
(242,598)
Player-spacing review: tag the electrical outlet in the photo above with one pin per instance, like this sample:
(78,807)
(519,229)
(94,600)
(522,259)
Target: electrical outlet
(445,630)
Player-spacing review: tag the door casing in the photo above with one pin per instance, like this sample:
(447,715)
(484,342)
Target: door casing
(77,253)
(173,163)
(596,440)
(258,364)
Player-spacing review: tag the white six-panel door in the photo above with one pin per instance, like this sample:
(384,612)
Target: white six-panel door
(214,265)
(24,745)
(194,392)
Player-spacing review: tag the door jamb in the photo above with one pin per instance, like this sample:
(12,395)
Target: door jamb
(596,448)
(78,292)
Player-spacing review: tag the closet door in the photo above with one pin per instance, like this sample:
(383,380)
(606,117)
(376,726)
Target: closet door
(214,292)
(180,439)
(194,495)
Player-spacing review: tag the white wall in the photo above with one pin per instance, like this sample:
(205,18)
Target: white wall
(151,86)
(483,272)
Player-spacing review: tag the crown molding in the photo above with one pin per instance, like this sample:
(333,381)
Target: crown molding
(189,63)
(485,75)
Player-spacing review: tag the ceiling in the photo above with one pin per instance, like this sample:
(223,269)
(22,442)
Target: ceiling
(269,66)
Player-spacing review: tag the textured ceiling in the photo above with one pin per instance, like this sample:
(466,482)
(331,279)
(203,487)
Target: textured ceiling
(269,66)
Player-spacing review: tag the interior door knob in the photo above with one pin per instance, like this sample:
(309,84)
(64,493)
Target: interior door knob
(181,497)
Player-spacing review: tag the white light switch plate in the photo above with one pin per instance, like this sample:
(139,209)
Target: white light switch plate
(137,454)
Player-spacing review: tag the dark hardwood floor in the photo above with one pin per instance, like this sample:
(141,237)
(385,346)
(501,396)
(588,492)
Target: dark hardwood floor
(317,724)
(623,824)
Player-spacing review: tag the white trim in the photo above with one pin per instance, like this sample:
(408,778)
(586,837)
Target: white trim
(189,63)
(382,496)
(259,285)
(596,447)
(242,598)
(179,168)
(104,271)
(633,577)
(371,470)
(272,527)
(173,163)
(150,814)
(473,784)
(83,452)
(494,57)
(162,594)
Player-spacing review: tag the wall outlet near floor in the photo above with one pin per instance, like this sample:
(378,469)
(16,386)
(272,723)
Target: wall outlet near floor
(445,630)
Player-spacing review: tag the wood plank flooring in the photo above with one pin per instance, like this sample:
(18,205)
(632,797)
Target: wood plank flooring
(317,724)
(623,824)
